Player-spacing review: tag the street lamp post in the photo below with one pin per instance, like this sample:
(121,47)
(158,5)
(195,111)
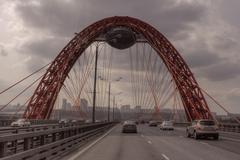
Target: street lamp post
(113,108)
(109,92)
(94,86)
(109,96)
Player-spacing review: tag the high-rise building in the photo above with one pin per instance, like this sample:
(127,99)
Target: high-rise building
(64,104)
(83,104)
(69,106)
(138,108)
(125,108)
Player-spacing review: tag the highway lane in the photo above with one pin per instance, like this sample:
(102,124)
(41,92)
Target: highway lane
(228,141)
(153,144)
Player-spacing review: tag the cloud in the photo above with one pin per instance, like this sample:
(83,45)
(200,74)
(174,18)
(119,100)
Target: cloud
(46,48)
(206,33)
(200,58)
(66,17)
(56,20)
(35,63)
(234,95)
(222,71)
(228,11)
(224,43)
(3,52)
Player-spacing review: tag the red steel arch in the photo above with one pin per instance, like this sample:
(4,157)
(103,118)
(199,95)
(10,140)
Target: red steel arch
(42,101)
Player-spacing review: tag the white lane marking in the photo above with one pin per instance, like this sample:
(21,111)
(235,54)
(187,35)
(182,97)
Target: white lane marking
(89,146)
(142,135)
(166,157)
(149,142)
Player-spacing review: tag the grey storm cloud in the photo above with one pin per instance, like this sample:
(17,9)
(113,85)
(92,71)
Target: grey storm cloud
(66,17)
(225,43)
(222,71)
(46,48)
(206,33)
(176,20)
(202,58)
(228,10)
(3,52)
(62,19)
(35,63)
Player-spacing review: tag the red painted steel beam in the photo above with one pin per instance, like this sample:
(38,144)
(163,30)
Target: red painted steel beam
(42,101)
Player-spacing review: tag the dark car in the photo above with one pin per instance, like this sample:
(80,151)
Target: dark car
(142,121)
(153,124)
(129,127)
(203,128)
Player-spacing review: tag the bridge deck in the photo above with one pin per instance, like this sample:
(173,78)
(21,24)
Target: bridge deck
(153,144)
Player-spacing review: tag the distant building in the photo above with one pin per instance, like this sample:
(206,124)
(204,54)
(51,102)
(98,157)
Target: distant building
(64,104)
(138,108)
(125,108)
(83,104)
(214,114)
(69,106)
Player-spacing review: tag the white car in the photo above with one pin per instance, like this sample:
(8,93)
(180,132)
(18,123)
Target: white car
(203,128)
(21,123)
(167,125)
(88,121)
(64,122)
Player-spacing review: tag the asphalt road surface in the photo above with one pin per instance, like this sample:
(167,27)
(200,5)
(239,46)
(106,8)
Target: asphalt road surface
(150,143)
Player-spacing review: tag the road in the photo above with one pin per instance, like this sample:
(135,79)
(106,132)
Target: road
(153,144)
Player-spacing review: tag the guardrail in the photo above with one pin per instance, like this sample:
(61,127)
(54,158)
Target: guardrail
(48,143)
(226,127)
(6,130)
(7,122)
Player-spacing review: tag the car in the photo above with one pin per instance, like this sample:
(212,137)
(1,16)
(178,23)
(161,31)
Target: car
(129,127)
(64,122)
(88,121)
(152,124)
(21,123)
(142,121)
(98,121)
(167,125)
(203,128)
(74,121)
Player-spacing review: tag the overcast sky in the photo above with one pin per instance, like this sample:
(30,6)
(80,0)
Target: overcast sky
(206,33)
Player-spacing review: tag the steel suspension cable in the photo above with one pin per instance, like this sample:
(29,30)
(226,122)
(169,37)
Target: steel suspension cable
(38,70)
(24,90)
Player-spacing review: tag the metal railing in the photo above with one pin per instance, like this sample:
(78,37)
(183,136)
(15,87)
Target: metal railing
(7,122)
(6,130)
(226,127)
(229,127)
(48,143)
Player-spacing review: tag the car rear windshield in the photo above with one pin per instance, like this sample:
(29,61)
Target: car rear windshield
(168,123)
(20,120)
(207,123)
(130,125)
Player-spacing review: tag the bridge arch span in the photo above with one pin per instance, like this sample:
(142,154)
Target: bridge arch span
(42,101)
